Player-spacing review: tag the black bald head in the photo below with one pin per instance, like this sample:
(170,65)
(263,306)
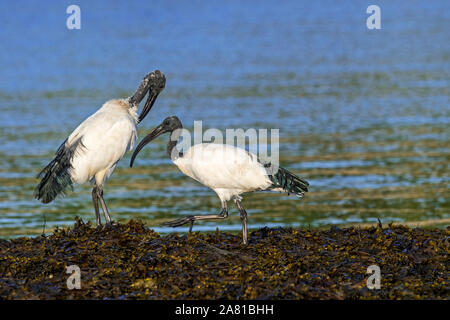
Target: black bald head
(156,80)
(171,123)
(153,83)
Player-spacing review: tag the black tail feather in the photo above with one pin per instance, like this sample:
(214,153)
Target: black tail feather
(289,182)
(56,175)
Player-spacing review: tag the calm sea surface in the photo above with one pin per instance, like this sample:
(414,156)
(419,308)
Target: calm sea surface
(363,114)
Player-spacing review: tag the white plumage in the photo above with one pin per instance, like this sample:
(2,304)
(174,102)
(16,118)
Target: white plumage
(106,136)
(228,170)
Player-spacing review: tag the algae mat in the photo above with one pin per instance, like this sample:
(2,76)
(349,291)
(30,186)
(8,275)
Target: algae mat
(131,261)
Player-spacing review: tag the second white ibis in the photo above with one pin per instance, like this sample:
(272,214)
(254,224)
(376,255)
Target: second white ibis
(228,170)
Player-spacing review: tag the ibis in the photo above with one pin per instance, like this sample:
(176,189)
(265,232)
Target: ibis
(226,169)
(94,148)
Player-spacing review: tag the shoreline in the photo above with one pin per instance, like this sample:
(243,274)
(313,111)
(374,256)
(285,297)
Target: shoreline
(431,223)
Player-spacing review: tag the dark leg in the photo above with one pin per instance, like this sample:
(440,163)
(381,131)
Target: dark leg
(104,208)
(243,218)
(191,219)
(95,200)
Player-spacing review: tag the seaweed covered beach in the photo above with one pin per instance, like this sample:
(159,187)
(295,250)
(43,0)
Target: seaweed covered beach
(131,261)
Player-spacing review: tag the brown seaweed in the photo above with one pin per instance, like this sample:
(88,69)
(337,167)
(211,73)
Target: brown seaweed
(131,261)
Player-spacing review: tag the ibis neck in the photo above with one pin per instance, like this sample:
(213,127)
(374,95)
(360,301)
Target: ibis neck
(172,150)
(140,93)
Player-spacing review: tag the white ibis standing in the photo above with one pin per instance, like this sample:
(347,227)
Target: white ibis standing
(92,151)
(228,170)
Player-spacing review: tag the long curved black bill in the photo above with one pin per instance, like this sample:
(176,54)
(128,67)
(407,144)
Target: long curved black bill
(148,104)
(152,135)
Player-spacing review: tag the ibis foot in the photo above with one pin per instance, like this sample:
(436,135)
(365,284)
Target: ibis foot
(179,222)
(191,219)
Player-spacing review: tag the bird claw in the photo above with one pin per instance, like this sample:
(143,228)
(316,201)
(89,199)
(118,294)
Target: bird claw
(179,222)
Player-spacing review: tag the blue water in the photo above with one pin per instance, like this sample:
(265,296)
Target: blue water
(311,69)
